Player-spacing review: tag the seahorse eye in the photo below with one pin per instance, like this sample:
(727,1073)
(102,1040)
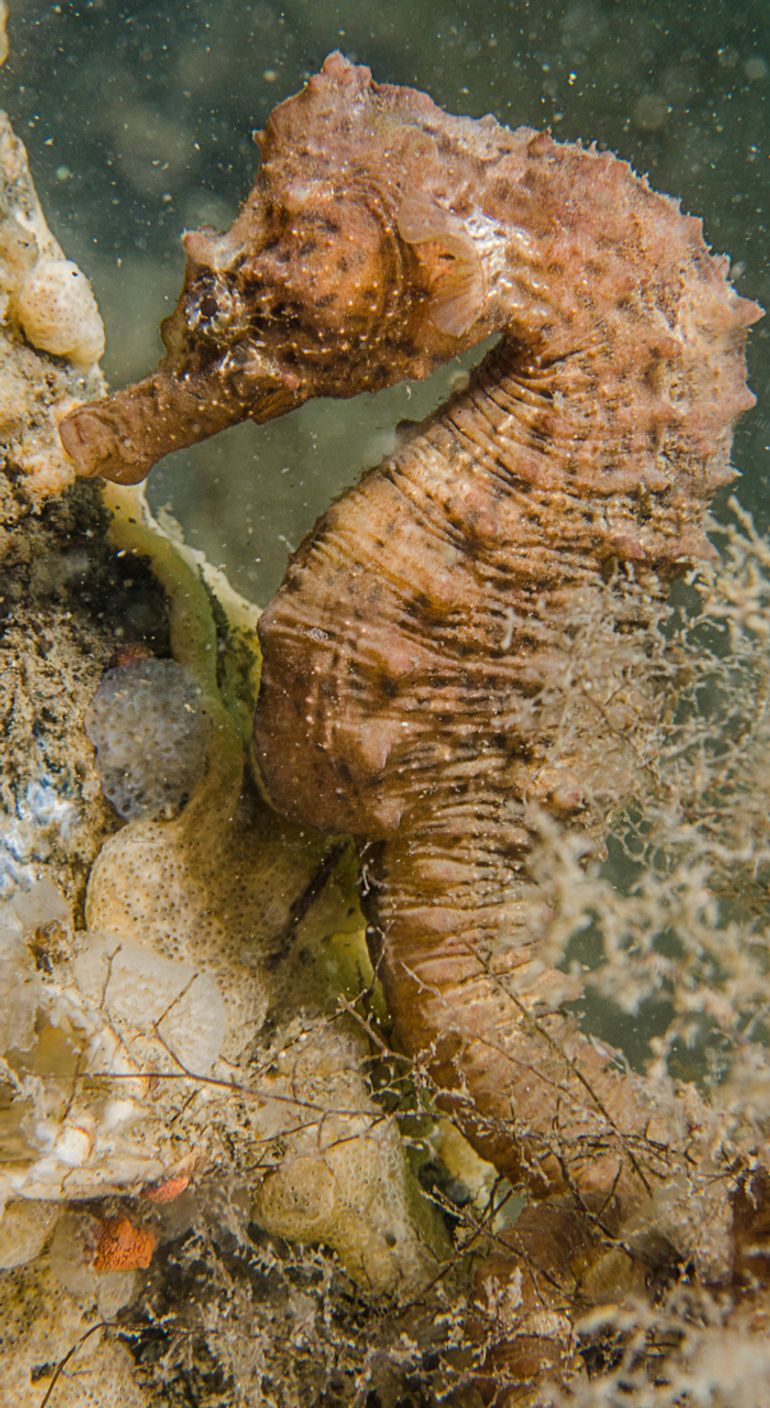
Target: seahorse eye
(212,311)
(209,306)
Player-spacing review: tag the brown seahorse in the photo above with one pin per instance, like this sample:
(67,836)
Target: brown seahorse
(413,653)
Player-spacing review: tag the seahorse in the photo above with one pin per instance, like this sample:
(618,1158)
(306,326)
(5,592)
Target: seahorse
(414,651)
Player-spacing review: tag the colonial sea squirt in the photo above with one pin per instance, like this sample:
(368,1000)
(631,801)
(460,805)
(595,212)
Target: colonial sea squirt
(414,654)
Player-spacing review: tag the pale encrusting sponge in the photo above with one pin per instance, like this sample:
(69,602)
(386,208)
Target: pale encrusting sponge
(150,730)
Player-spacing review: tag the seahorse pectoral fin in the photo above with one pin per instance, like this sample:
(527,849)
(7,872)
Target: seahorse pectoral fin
(458,299)
(451,264)
(275,401)
(420,218)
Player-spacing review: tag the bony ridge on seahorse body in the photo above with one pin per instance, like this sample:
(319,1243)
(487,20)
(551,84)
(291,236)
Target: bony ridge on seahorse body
(409,653)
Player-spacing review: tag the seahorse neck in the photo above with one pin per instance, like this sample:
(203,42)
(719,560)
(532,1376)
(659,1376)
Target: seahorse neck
(507,461)
(620,371)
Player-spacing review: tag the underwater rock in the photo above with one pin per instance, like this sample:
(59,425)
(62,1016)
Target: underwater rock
(342,1182)
(25,1227)
(65,1133)
(56,308)
(145,993)
(67,600)
(46,302)
(42,1321)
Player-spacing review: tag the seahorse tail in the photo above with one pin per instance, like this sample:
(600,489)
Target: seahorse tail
(455,943)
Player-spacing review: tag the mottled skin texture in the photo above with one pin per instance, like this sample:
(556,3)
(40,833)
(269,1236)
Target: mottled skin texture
(409,654)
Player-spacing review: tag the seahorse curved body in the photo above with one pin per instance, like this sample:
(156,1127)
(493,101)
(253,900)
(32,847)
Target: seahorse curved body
(412,655)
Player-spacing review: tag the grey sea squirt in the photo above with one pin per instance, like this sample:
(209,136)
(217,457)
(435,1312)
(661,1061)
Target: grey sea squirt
(418,655)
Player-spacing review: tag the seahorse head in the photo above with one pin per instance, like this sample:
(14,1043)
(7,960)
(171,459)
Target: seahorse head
(352,243)
(350,267)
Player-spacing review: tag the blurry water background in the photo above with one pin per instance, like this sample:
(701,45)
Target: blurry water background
(138,120)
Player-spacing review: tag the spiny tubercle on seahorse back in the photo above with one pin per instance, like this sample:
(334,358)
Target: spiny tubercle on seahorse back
(409,654)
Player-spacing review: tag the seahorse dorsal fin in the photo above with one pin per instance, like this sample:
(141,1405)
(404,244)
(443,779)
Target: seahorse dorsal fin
(455,274)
